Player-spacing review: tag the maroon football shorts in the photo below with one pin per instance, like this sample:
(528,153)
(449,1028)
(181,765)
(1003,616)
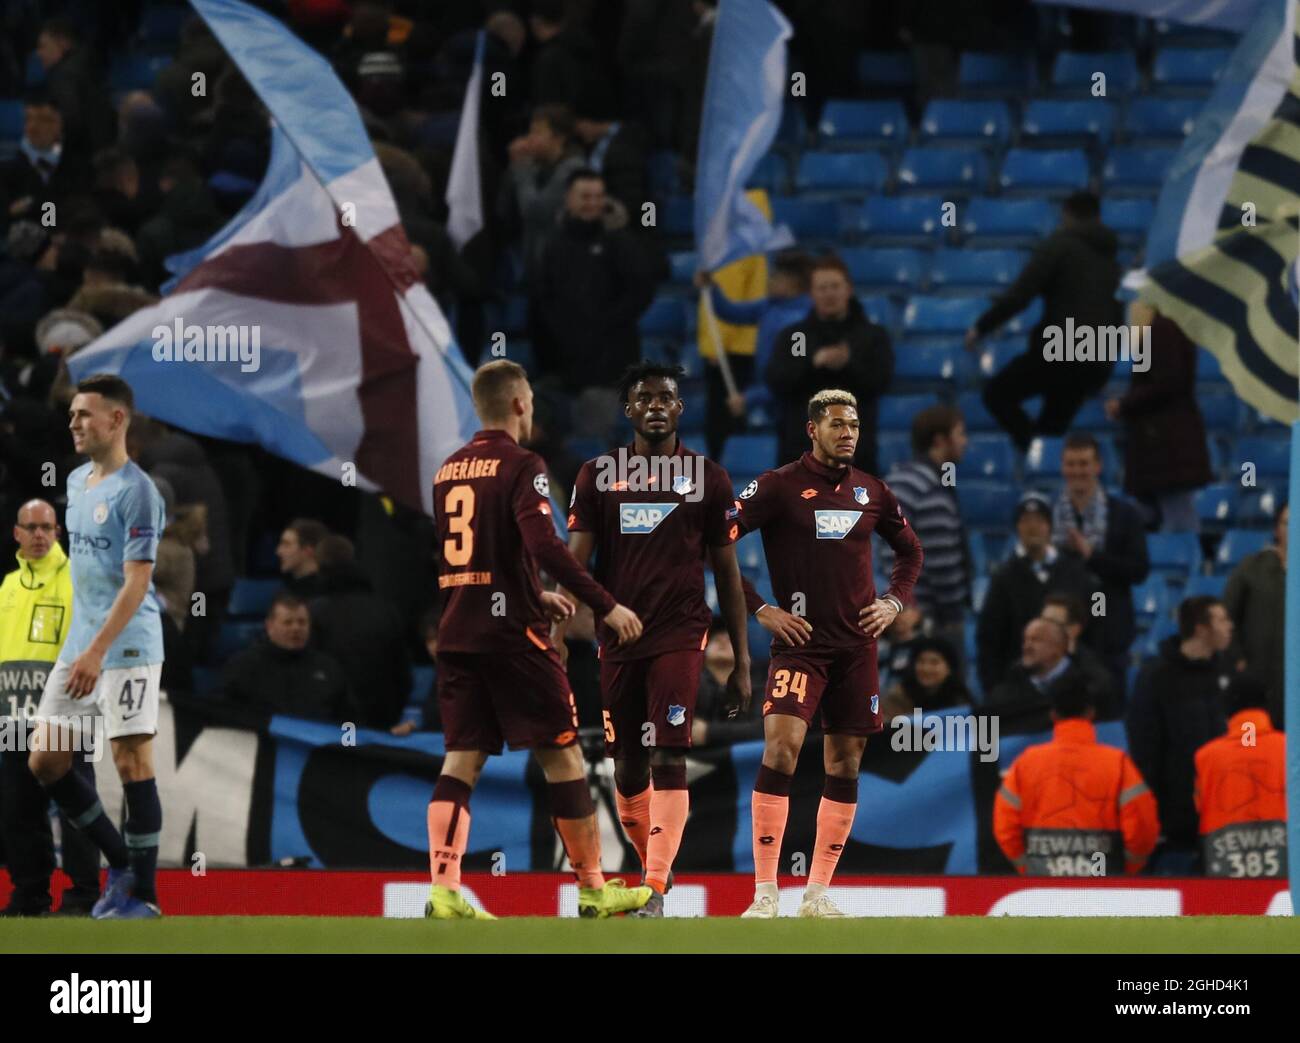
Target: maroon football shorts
(523,699)
(650,702)
(841,682)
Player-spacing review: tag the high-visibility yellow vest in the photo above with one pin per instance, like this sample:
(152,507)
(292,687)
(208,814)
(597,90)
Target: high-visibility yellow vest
(35,615)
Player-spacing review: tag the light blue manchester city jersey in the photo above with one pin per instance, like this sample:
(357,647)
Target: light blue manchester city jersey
(121,519)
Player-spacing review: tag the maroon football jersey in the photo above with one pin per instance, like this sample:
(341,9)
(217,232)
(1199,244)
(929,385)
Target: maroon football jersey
(652,535)
(492,512)
(817,523)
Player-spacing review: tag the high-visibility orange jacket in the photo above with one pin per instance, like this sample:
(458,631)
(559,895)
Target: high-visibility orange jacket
(1241,798)
(1069,807)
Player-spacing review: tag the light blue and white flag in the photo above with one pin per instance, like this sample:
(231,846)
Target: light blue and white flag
(1232,15)
(465,183)
(743,98)
(302,326)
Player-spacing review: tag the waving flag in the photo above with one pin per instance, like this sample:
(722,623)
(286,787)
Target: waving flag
(1233,15)
(302,325)
(743,99)
(464,182)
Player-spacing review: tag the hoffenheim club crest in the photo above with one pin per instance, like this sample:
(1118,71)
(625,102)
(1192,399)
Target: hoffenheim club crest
(682,485)
(860,494)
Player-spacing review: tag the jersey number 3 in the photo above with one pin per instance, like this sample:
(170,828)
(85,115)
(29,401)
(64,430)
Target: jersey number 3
(458,547)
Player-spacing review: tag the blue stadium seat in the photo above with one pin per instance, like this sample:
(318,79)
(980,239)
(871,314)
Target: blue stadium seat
(994,354)
(926,314)
(792,134)
(1259,506)
(136,71)
(666,317)
(1068,122)
(1010,73)
(749,454)
(1205,586)
(1133,169)
(1216,505)
(1237,544)
(1024,321)
(1188,67)
(1151,599)
(1271,456)
(986,221)
(1043,461)
(975,413)
(1175,34)
(1207,368)
(662,174)
(878,70)
(807,218)
(1044,171)
(1151,119)
(514,317)
(1073,72)
(12,119)
(252,597)
(927,363)
(1128,218)
(882,311)
(772,173)
(682,265)
(421,682)
(1221,411)
(1092,416)
(897,411)
(859,173)
(1163,628)
(854,124)
(892,448)
(988,457)
(1176,553)
(749,555)
(902,220)
(235,635)
(966,269)
(160,26)
(938,169)
(891,269)
(986,505)
(947,121)
(678,216)
(979,589)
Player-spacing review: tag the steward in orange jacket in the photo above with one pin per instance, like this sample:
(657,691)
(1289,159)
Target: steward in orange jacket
(1241,790)
(1072,806)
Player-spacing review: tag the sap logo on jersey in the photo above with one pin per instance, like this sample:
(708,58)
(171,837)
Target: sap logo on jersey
(639,519)
(835,525)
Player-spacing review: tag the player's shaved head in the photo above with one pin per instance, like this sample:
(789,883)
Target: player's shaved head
(496,385)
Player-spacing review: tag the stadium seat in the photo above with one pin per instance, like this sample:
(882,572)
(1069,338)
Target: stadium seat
(12,119)
(1132,169)
(160,27)
(1205,586)
(1150,119)
(953,316)
(792,134)
(772,173)
(1259,506)
(1271,457)
(666,317)
(235,635)
(749,454)
(843,173)
(421,682)
(994,354)
(1178,34)
(1151,599)
(965,270)
(979,588)
(1174,553)
(986,505)
(1216,505)
(1237,544)
(882,311)
(858,124)
(1074,72)
(938,169)
(1092,416)
(1044,171)
(678,216)
(892,449)
(682,265)
(514,317)
(896,411)
(662,174)
(252,597)
(974,413)
(1024,321)
(1063,122)
(1043,461)
(1130,219)
(1208,369)
(887,270)
(130,72)
(979,558)
(948,121)
(1221,411)
(988,457)
(903,220)
(1183,68)
(881,70)
(749,555)
(807,218)
(1163,628)
(995,222)
(929,363)
(997,72)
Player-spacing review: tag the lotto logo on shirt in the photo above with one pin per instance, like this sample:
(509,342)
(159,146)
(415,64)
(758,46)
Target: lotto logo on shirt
(639,519)
(835,525)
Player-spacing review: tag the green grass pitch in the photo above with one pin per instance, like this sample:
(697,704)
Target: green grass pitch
(1225,934)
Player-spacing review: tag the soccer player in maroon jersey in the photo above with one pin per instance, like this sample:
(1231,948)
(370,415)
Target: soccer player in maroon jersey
(499,678)
(817,516)
(654,512)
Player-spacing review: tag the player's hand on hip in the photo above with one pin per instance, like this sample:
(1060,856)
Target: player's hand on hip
(561,646)
(877,616)
(624,622)
(557,606)
(84,674)
(783,625)
(740,690)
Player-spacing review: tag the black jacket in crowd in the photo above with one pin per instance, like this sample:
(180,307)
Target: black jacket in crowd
(1023,707)
(794,379)
(1176,707)
(274,680)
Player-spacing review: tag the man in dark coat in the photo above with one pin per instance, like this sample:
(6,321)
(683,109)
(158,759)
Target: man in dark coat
(1106,534)
(283,674)
(1166,458)
(1069,612)
(1024,696)
(1076,272)
(1018,587)
(834,346)
(595,283)
(1176,708)
(42,171)
(78,87)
